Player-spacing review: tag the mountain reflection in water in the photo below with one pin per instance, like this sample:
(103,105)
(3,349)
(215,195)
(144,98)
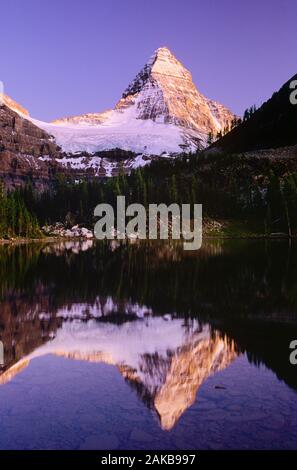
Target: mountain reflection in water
(164,360)
(168,320)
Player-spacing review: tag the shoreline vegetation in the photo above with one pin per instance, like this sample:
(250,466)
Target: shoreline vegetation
(224,230)
(242,197)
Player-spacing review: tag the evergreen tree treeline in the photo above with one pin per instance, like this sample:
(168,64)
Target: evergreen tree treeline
(227,186)
(15,218)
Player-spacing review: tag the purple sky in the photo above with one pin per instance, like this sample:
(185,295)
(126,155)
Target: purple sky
(67,57)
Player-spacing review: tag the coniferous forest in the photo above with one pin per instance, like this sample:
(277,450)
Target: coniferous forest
(16,220)
(231,187)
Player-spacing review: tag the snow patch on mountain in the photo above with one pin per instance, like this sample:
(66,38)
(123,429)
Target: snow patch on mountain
(121,131)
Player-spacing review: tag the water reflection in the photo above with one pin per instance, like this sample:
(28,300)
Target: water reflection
(168,320)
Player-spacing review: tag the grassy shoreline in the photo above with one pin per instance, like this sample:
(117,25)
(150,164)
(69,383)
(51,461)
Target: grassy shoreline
(212,229)
(206,236)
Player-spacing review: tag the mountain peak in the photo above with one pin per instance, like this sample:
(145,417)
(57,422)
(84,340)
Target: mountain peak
(161,101)
(163,52)
(162,49)
(162,63)
(163,91)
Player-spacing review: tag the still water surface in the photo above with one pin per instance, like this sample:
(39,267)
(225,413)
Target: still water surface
(145,346)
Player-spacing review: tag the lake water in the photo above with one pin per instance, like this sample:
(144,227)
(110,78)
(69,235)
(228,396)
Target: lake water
(145,346)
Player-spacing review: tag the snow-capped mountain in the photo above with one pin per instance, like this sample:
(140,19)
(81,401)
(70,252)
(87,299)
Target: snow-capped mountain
(161,111)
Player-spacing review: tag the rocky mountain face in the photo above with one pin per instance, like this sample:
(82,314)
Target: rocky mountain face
(189,369)
(164,91)
(161,104)
(88,118)
(21,145)
(10,103)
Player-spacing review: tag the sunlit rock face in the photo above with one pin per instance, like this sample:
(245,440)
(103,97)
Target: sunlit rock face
(189,368)
(14,370)
(164,91)
(163,359)
(88,118)
(160,111)
(10,103)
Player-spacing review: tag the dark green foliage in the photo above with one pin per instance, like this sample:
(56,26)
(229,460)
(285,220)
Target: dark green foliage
(228,186)
(16,220)
(273,125)
(249,112)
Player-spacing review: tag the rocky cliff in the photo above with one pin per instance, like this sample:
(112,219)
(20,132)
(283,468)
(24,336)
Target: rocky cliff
(21,145)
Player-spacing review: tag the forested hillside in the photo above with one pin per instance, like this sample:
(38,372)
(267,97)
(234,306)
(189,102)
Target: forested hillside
(273,125)
(232,187)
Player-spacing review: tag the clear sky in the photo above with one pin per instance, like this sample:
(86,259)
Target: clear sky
(67,57)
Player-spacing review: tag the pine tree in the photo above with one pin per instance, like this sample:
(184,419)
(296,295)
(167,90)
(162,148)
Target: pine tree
(173,190)
(274,198)
(289,193)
